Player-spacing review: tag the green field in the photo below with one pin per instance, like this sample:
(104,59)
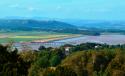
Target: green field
(28,36)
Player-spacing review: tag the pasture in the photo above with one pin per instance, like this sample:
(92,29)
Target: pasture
(28,36)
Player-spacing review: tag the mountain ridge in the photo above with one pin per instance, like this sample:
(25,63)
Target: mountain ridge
(17,24)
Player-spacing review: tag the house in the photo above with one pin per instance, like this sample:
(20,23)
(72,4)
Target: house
(67,50)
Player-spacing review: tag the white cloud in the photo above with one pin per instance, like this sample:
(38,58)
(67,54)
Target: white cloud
(14,6)
(31,8)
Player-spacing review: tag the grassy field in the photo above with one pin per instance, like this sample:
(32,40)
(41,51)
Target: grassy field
(28,36)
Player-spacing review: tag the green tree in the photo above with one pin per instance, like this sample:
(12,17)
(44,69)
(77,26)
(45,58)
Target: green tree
(55,60)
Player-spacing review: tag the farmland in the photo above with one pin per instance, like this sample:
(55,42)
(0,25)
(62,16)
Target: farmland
(27,36)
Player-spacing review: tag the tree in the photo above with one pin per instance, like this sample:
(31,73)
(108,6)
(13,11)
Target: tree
(11,64)
(42,48)
(55,60)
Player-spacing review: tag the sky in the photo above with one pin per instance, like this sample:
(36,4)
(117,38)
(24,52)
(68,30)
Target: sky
(64,9)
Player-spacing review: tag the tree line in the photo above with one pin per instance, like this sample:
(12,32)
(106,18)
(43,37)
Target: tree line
(88,59)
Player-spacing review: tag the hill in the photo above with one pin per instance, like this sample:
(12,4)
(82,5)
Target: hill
(13,25)
(100,26)
(80,60)
(29,25)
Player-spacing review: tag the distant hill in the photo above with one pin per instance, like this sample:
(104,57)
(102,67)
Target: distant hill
(86,27)
(29,25)
(97,24)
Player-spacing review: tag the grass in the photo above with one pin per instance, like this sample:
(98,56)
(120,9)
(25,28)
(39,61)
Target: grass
(28,36)
(42,37)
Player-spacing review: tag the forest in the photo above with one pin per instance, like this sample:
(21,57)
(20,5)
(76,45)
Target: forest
(87,59)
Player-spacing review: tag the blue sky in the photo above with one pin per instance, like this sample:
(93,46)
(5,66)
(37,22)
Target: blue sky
(72,9)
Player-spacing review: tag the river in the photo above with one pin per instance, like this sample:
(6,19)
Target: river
(108,39)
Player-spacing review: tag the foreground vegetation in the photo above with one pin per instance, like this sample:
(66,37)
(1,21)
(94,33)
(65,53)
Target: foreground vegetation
(89,59)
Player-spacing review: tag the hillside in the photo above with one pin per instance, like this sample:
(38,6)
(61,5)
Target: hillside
(80,60)
(29,25)
(13,25)
(100,26)
(86,27)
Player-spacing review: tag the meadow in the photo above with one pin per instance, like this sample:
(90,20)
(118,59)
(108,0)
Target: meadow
(28,36)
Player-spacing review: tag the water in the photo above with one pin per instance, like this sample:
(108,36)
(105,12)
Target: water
(108,39)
